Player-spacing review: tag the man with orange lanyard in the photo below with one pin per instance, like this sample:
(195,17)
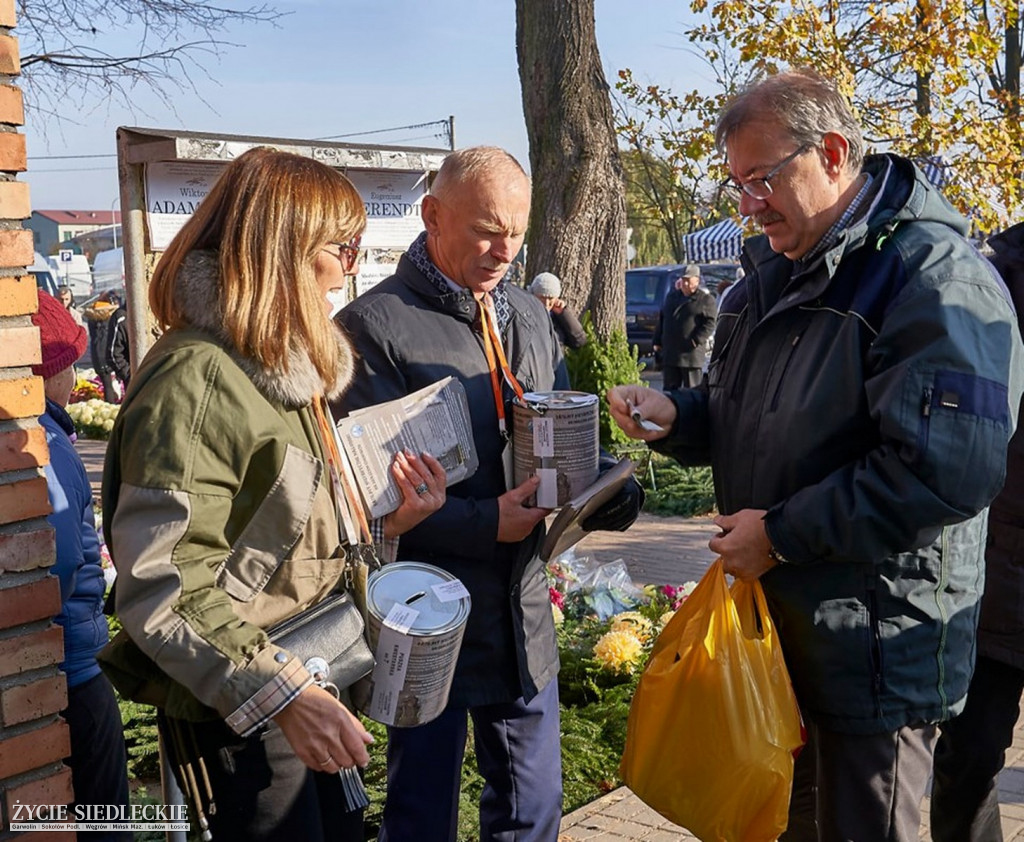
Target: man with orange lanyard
(449,310)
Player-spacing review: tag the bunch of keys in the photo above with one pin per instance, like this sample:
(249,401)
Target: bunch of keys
(351,783)
(352,786)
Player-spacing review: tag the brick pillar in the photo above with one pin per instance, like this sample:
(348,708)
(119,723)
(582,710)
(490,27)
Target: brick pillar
(33,737)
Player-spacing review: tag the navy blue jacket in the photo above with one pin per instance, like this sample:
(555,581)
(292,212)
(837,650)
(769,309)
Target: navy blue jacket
(1001,628)
(408,335)
(78,550)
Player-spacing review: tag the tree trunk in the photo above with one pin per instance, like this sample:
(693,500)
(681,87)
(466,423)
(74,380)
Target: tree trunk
(923,88)
(1013,60)
(578,219)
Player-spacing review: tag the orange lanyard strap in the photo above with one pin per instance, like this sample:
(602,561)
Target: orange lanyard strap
(492,322)
(499,403)
(496,361)
(341,488)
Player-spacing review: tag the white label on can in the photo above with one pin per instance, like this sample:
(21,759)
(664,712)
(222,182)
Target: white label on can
(401,617)
(388,676)
(450,591)
(543,436)
(547,491)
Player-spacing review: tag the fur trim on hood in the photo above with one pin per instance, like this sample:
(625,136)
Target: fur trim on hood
(196,292)
(99,311)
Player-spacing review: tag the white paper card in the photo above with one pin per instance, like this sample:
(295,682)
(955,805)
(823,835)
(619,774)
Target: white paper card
(388,675)
(401,617)
(450,591)
(547,491)
(543,436)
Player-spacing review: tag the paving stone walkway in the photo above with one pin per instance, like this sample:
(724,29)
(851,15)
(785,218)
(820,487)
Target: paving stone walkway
(673,550)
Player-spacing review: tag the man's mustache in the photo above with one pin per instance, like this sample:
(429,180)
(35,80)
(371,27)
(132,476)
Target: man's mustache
(763,219)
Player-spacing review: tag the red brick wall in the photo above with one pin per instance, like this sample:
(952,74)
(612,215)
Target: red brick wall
(33,737)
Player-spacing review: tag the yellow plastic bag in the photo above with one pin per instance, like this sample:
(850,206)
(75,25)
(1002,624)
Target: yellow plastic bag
(714,722)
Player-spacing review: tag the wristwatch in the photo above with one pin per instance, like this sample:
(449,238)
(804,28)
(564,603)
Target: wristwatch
(776,556)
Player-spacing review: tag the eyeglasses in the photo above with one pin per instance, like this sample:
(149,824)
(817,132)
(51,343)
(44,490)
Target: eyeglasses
(348,253)
(759,188)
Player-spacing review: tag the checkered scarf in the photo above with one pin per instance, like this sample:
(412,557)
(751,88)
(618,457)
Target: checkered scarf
(417,253)
(852,214)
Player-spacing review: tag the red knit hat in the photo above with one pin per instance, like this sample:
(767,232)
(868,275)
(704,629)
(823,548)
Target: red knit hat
(63,339)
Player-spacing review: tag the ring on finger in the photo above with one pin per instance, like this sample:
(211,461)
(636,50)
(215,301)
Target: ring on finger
(327,761)
(421,488)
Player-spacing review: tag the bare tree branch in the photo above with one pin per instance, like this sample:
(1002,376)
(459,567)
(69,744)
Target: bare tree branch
(64,55)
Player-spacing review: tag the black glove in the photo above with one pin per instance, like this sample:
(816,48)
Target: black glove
(618,514)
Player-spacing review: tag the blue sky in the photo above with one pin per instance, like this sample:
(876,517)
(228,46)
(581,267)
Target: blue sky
(337,66)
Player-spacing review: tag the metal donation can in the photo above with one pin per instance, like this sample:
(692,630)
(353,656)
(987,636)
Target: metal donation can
(416,614)
(556,435)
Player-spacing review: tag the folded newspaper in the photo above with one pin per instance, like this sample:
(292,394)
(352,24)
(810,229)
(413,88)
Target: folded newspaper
(434,420)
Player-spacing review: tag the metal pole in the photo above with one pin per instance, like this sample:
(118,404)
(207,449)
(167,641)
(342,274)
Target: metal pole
(133,209)
(451,131)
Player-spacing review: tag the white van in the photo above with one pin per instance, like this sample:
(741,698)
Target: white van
(46,280)
(74,273)
(108,270)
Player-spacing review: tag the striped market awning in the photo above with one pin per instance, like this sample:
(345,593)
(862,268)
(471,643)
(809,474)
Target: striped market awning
(936,169)
(721,241)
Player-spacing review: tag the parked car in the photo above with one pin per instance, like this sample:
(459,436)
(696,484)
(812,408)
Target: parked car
(646,289)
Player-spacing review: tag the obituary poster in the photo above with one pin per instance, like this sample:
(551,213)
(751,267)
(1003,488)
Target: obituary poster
(174,190)
(392,200)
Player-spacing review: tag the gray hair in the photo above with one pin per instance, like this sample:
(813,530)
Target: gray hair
(804,103)
(469,164)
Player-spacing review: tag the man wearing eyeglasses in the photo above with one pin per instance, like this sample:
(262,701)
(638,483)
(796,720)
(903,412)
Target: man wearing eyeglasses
(862,389)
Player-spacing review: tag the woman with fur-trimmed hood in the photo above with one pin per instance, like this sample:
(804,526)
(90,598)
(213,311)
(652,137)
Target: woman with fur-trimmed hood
(218,501)
(108,342)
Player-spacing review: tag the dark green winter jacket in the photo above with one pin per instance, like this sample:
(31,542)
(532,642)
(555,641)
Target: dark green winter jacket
(866,402)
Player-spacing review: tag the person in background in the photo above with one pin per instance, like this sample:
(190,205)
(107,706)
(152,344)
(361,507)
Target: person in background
(972,747)
(98,759)
(67,298)
(120,352)
(548,288)
(450,310)
(725,287)
(685,324)
(223,505)
(106,321)
(864,383)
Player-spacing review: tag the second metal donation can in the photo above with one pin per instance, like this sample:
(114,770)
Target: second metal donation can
(416,614)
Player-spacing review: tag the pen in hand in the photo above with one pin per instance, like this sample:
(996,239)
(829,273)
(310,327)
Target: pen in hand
(650,426)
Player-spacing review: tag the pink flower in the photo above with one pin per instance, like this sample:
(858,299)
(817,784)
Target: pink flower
(557,598)
(669,591)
